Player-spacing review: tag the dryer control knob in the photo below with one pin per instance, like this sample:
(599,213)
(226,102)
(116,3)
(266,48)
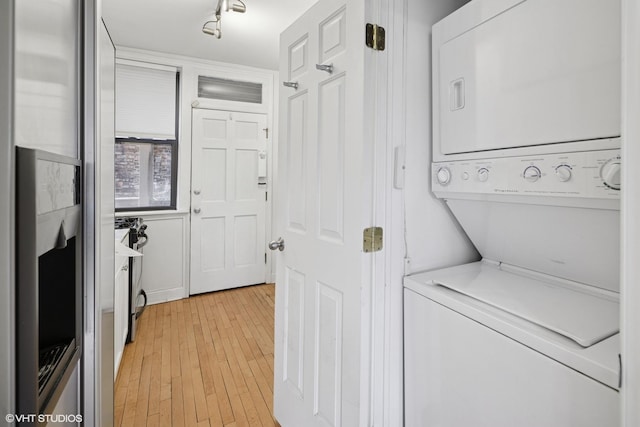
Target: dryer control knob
(443,175)
(563,173)
(483,174)
(610,173)
(532,174)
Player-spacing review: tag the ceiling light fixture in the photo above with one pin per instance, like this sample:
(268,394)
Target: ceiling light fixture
(213,27)
(216,31)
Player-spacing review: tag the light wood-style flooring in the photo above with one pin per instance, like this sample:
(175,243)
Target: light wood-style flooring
(202,361)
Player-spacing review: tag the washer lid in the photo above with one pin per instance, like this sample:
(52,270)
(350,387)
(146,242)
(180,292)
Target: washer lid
(584,317)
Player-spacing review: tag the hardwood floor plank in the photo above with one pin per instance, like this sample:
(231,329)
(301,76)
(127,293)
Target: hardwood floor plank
(189,404)
(175,342)
(215,416)
(165,413)
(250,410)
(234,397)
(165,370)
(203,343)
(155,382)
(142,402)
(267,370)
(177,408)
(262,410)
(153,421)
(265,387)
(203,361)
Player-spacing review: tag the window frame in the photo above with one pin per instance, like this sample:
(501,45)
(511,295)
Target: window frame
(173,143)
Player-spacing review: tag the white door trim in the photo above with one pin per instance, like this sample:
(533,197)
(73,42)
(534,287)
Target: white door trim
(387,405)
(630,206)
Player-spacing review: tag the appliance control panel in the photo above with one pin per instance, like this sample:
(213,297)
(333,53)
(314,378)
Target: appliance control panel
(589,174)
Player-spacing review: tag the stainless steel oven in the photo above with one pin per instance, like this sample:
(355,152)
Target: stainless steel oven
(138,238)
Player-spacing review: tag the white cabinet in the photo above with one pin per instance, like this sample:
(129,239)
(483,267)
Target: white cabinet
(165,261)
(120,309)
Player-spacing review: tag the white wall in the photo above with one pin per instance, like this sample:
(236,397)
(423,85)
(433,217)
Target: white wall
(167,256)
(7,183)
(423,233)
(434,238)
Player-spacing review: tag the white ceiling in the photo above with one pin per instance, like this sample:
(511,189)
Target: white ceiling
(175,26)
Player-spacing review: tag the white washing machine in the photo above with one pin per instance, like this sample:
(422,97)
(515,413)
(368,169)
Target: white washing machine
(527,158)
(529,335)
(501,362)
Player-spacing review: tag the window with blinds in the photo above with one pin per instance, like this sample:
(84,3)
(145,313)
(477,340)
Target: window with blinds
(146,137)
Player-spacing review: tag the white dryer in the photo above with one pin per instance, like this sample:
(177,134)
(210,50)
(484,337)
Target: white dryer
(526,151)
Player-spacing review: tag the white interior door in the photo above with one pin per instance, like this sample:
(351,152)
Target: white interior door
(322,193)
(228,201)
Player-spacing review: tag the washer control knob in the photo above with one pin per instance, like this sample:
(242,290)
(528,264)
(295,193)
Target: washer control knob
(563,173)
(443,175)
(610,173)
(532,174)
(483,174)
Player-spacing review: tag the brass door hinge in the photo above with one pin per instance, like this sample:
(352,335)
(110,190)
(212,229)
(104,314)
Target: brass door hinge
(372,239)
(375,37)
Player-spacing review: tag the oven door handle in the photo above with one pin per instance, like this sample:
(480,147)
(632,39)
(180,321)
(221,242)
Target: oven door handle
(140,309)
(144,239)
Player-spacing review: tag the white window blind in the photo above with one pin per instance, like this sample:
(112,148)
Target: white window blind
(145,102)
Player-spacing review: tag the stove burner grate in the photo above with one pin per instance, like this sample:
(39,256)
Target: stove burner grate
(49,359)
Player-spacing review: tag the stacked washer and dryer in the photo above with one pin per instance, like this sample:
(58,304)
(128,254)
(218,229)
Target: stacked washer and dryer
(526,154)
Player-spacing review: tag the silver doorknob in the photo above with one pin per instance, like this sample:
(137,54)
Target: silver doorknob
(290,84)
(277,244)
(196,192)
(196,210)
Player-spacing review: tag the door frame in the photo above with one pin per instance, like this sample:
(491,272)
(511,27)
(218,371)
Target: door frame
(387,388)
(7,215)
(630,206)
(381,329)
(271,152)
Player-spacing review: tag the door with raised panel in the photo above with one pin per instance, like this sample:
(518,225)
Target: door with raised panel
(228,200)
(322,205)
